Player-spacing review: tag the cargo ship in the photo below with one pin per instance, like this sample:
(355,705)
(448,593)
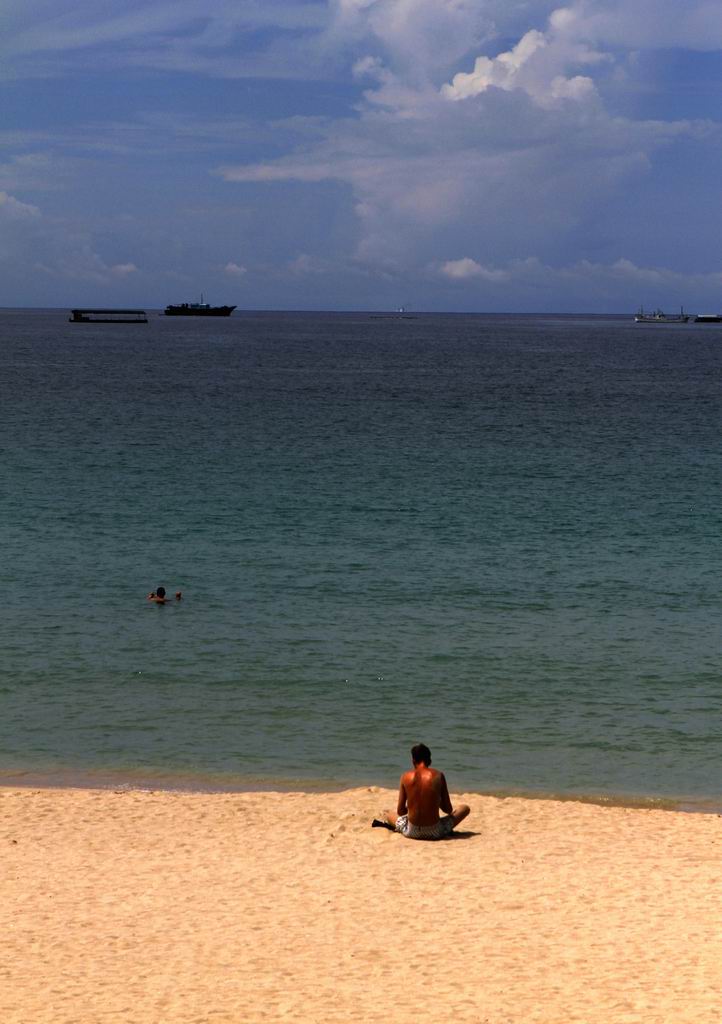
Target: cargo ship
(198,309)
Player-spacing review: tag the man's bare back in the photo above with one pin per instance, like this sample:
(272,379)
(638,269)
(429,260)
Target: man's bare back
(422,794)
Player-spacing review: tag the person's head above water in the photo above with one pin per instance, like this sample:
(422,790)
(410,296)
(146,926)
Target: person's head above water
(420,754)
(160,591)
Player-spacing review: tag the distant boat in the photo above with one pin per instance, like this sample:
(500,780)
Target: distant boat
(198,309)
(658,317)
(708,318)
(108,316)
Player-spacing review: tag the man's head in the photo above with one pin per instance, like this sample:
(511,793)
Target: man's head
(420,754)
(160,591)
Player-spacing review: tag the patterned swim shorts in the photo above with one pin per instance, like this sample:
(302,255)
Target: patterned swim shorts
(440,830)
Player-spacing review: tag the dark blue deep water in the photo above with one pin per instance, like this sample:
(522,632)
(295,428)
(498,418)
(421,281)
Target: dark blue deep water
(498,535)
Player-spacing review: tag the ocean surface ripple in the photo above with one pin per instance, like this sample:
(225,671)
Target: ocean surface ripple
(499,535)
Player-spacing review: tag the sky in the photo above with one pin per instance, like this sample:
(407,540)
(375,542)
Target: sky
(451,155)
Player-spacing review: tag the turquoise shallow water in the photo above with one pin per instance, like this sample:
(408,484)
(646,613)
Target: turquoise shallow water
(499,535)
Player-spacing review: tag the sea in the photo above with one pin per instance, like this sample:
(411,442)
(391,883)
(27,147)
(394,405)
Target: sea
(498,535)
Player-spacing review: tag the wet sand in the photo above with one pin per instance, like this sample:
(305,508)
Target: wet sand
(173,907)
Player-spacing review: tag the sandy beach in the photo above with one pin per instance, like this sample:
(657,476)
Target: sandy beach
(177,907)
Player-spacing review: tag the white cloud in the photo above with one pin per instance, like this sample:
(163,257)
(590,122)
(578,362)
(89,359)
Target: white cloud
(291,170)
(644,24)
(537,65)
(11,209)
(26,171)
(465,268)
(31,241)
(502,71)
(521,174)
(415,37)
(418,40)
(515,147)
(305,264)
(488,130)
(123,269)
(654,285)
(42,37)
(578,88)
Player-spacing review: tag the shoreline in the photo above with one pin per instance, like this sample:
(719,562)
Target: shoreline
(260,907)
(216,784)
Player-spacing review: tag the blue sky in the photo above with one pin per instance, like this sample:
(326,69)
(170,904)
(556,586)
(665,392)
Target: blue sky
(361,154)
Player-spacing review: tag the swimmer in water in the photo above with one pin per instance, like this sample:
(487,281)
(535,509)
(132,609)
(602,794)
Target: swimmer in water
(157,596)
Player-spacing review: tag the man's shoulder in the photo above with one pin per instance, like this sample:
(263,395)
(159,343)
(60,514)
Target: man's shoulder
(428,776)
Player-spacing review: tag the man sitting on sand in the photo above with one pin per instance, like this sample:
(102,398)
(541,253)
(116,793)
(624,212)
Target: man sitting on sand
(422,794)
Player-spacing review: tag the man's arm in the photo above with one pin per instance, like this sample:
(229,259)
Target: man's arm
(401,807)
(444,798)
